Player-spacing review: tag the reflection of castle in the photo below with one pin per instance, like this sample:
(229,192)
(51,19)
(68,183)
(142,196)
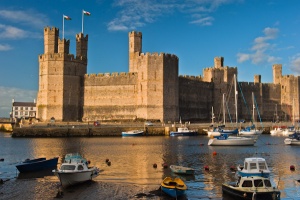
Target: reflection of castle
(150,90)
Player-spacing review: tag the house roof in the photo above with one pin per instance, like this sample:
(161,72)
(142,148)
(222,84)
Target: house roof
(25,104)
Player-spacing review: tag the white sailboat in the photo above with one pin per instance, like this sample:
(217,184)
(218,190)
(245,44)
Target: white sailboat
(290,129)
(277,130)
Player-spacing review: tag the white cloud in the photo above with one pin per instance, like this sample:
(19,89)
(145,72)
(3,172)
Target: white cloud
(262,48)
(19,95)
(295,64)
(11,32)
(5,47)
(136,13)
(29,18)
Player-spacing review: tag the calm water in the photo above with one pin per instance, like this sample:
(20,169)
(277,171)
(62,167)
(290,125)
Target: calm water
(132,160)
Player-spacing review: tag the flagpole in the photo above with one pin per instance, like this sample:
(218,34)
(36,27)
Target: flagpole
(63,27)
(82,22)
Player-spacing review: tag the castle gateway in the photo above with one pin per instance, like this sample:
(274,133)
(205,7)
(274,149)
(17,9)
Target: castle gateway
(152,88)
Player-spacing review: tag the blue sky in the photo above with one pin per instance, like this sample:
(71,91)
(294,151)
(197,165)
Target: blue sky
(250,34)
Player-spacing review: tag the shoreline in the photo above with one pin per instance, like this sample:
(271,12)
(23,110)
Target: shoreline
(77,129)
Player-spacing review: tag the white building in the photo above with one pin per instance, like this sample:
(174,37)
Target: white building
(23,110)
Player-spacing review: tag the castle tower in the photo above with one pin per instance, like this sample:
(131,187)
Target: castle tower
(60,79)
(50,40)
(81,45)
(135,48)
(277,73)
(219,62)
(257,78)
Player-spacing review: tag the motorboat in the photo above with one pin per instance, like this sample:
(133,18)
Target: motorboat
(225,140)
(173,187)
(75,169)
(132,133)
(289,130)
(182,170)
(254,166)
(293,139)
(37,164)
(183,131)
(251,187)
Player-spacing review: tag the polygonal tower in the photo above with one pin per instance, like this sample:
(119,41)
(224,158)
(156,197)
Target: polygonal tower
(61,78)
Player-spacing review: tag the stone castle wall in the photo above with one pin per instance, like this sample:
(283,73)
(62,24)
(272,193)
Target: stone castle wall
(152,89)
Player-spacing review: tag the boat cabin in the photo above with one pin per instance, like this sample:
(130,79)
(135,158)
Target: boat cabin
(255,164)
(256,182)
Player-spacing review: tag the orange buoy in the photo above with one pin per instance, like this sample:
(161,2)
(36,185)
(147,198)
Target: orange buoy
(206,168)
(292,167)
(154,165)
(89,162)
(214,153)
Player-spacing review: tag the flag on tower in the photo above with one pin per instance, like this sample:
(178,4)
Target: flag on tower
(67,17)
(86,13)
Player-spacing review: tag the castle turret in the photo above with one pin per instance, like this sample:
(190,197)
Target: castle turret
(63,46)
(277,73)
(81,45)
(50,40)
(257,78)
(135,47)
(219,62)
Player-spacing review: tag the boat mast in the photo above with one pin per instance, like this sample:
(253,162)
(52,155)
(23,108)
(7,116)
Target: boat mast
(236,96)
(293,120)
(253,107)
(224,121)
(212,115)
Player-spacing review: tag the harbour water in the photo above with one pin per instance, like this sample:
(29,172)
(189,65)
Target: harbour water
(131,174)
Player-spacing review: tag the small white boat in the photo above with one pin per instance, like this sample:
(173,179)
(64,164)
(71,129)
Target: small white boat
(75,170)
(251,187)
(250,130)
(183,131)
(289,130)
(254,166)
(132,133)
(225,140)
(277,131)
(182,170)
(293,139)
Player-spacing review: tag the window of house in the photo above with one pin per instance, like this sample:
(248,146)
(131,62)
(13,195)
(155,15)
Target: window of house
(16,113)
(16,108)
(26,108)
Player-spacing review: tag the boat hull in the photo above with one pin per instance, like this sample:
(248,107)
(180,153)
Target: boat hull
(190,133)
(73,178)
(132,133)
(289,141)
(173,192)
(37,165)
(231,141)
(182,170)
(249,193)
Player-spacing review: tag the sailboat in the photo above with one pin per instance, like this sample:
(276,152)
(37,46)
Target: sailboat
(290,129)
(251,130)
(277,130)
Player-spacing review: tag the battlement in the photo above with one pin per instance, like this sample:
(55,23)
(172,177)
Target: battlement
(191,77)
(80,36)
(51,29)
(159,55)
(135,33)
(60,56)
(113,74)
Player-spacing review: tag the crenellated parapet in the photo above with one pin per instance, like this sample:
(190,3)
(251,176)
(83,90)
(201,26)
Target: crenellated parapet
(199,78)
(110,79)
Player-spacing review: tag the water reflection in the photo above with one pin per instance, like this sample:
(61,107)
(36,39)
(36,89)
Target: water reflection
(132,160)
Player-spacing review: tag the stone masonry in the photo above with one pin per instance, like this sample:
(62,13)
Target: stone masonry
(152,88)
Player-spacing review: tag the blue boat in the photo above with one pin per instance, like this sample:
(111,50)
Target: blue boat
(33,165)
(173,187)
(183,131)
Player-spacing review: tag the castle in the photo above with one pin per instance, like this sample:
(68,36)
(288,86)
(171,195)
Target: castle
(152,88)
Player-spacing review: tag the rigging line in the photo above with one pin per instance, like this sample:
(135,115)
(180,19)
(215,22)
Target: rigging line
(262,125)
(248,110)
